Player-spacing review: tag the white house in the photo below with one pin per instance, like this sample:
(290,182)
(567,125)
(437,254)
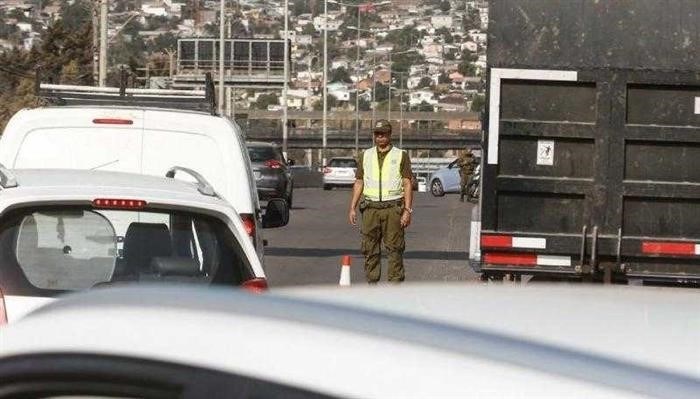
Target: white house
(413,82)
(469,46)
(333,25)
(441,21)
(24,26)
(340,63)
(152,10)
(339,91)
(433,50)
(304,40)
(419,96)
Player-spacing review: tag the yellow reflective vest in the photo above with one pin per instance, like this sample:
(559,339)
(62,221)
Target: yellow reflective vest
(385,183)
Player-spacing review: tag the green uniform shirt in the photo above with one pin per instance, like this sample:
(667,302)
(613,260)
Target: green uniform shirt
(406,172)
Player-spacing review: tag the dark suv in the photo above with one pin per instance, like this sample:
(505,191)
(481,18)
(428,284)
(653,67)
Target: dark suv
(272,175)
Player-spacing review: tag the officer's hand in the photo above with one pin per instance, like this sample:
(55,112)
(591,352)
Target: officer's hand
(352,217)
(405,219)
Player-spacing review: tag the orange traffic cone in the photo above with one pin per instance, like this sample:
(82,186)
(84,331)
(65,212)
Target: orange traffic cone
(344,271)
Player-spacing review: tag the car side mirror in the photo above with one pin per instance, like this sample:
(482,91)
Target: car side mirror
(276,213)
(290,162)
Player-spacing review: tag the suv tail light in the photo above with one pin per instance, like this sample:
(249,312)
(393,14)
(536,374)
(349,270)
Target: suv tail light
(326,170)
(249,224)
(257,285)
(3,310)
(273,164)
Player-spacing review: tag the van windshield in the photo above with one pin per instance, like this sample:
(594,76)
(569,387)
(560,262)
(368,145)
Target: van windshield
(48,250)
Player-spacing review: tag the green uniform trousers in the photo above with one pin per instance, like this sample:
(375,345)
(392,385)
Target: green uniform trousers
(383,225)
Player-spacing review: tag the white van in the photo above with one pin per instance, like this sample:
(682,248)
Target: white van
(137,140)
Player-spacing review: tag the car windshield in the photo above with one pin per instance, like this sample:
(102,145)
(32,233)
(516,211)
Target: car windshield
(53,249)
(342,163)
(262,154)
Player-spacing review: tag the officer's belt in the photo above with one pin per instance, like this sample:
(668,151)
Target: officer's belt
(383,204)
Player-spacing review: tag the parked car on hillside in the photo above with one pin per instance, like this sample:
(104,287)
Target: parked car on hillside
(273,176)
(71,230)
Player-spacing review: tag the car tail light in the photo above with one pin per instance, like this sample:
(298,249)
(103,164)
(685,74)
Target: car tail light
(118,203)
(248,223)
(257,285)
(3,310)
(112,121)
(326,170)
(273,163)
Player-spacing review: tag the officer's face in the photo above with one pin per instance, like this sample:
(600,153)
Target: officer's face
(382,139)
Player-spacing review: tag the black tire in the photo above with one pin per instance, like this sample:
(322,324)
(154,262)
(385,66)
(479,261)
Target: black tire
(436,188)
(289,200)
(327,187)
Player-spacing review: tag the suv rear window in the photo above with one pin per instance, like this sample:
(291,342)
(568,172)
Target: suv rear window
(47,250)
(343,163)
(262,154)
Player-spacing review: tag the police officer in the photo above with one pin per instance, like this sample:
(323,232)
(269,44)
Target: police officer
(383,192)
(466,164)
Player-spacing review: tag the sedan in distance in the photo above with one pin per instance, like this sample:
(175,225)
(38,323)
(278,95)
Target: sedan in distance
(272,174)
(339,172)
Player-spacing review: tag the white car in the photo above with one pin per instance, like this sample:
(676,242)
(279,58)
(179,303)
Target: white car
(339,172)
(135,137)
(429,341)
(71,230)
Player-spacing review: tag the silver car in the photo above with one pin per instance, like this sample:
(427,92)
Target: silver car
(339,172)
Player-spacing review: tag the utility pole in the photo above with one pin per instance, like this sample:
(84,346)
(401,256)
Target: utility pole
(222,42)
(285,120)
(103,42)
(325,82)
(95,42)
(357,86)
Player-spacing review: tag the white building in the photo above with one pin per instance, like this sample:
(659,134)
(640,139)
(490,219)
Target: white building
(469,46)
(419,96)
(152,10)
(441,21)
(340,63)
(333,25)
(339,91)
(24,26)
(304,40)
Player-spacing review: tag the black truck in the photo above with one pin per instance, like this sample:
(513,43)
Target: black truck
(591,141)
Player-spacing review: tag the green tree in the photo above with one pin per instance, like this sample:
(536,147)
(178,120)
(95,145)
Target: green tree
(466,68)
(425,82)
(425,107)
(340,75)
(163,42)
(478,103)
(266,99)
(445,6)
(443,78)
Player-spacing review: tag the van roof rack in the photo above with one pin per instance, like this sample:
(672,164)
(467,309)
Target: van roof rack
(199,100)
(7,178)
(203,186)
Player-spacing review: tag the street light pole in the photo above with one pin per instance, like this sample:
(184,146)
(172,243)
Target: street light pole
(286,79)
(103,43)
(221,57)
(325,82)
(388,109)
(357,85)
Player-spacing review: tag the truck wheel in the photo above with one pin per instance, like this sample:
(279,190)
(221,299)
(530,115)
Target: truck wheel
(327,187)
(436,188)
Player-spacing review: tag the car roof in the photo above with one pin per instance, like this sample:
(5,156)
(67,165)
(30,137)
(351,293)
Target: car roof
(628,339)
(120,107)
(78,181)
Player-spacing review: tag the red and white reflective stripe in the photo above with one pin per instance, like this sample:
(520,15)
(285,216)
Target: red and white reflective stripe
(513,242)
(521,259)
(670,248)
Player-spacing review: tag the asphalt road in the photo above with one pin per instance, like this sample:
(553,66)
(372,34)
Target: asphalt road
(309,249)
